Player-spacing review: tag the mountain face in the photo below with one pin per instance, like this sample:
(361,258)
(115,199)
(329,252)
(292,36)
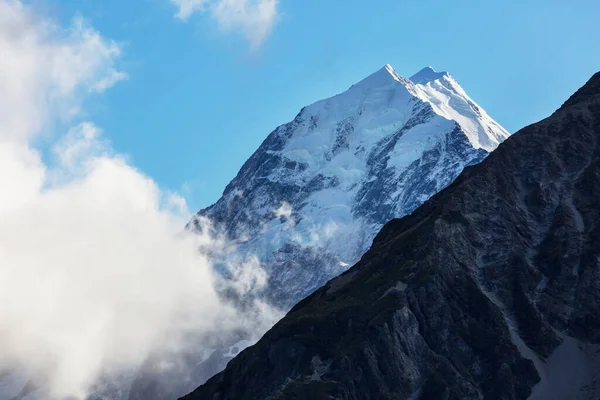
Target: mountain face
(310,200)
(490,290)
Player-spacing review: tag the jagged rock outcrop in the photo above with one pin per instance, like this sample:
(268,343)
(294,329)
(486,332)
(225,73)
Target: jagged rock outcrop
(490,290)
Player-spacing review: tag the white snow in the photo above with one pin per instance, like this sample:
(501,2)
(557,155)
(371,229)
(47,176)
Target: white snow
(426,75)
(237,348)
(571,373)
(336,139)
(206,353)
(384,76)
(449,100)
(379,106)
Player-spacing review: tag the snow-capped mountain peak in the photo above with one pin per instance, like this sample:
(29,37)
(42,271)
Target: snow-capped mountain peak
(426,75)
(438,89)
(449,100)
(385,76)
(348,164)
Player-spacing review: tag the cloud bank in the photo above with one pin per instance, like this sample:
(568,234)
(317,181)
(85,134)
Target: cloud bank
(253,19)
(95,270)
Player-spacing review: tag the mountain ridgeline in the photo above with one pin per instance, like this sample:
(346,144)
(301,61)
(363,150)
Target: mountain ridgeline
(489,290)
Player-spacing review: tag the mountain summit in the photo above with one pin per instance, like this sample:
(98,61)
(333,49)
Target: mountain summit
(310,200)
(487,291)
(426,75)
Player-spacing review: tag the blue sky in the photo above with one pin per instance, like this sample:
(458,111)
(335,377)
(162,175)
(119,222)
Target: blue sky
(198,101)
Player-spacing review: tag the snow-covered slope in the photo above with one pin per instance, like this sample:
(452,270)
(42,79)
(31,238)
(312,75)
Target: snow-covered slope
(449,100)
(310,200)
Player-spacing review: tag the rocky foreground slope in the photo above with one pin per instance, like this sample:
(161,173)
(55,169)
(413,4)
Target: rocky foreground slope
(490,290)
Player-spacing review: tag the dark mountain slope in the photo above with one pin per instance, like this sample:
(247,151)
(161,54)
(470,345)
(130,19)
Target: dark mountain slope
(489,290)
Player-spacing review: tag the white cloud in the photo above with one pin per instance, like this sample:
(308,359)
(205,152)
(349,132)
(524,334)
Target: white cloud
(254,19)
(95,271)
(285,210)
(93,274)
(79,144)
(188,7)
(315,235)
(46,71)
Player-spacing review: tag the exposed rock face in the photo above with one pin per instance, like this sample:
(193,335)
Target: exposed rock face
(490,290)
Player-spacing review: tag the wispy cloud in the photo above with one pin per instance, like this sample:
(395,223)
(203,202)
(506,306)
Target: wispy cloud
(253,19)
(46,71)
(284,211)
